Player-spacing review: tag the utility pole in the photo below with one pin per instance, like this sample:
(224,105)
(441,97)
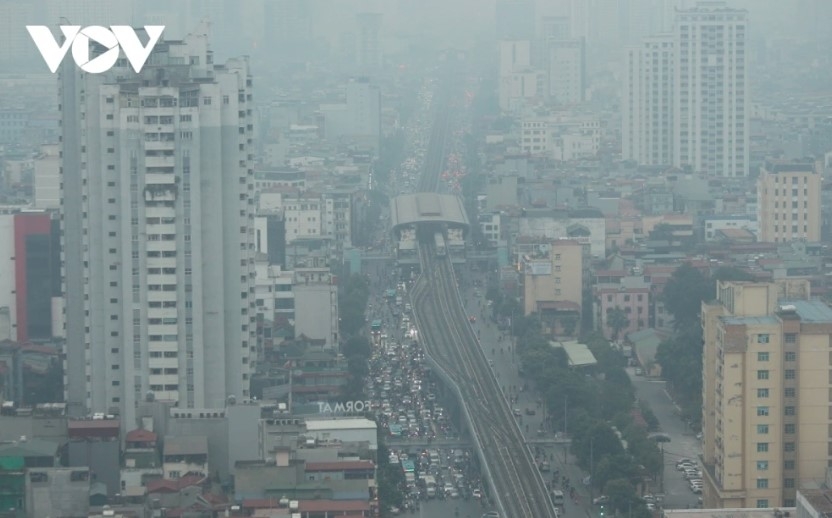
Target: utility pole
(661,470)
(591,470)
(565,430)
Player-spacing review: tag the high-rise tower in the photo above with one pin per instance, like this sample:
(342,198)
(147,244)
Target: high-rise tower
(711,133)
(157,213)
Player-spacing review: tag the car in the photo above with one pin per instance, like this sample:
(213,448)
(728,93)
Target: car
(476,493)
(530,411)
(697,490)
(516,412)
(639,372)
(491,514)
(472,319)
(601,500)
(684,460)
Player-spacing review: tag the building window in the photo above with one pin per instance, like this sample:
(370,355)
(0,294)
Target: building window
(791,356)
(762,375)
(788,465)
(789,410)
(789,374)
(762,357)
(762,392)
(762,429)
(762,338)
(762,483)
(790,338)
(762,447)
(762,465)
(789,446)
(789,428)
(789,392)
(762,503)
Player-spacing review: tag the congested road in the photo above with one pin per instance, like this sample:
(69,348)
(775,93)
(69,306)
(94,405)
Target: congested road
(450,341)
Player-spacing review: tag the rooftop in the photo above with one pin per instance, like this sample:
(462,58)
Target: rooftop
(339,465)
(186,445)
(351,423)
(579,354)
(425,207)
(810,311)
(819,499)
(29,448)
(140,435)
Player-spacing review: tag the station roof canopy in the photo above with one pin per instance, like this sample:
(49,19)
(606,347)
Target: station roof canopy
(427,207)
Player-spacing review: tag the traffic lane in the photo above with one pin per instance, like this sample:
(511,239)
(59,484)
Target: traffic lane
(498,348)
(683,442)
(472,508)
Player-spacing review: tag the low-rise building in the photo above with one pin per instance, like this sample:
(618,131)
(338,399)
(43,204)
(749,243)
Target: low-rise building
(184,456)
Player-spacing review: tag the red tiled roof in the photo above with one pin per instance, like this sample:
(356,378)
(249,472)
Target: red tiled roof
(164,485)
(260,503)
(140,435)
(332,506)
(339,465)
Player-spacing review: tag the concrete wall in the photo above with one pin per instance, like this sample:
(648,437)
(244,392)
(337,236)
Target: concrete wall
(103,459)
(58,494)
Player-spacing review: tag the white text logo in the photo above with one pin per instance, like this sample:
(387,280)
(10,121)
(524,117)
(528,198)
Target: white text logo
(78,37)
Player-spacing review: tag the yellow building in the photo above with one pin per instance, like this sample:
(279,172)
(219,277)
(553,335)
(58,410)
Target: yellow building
(554,273)
(788,201)
(766,393)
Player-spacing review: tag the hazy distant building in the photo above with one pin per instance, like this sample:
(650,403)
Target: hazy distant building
(518,80)
(368,46)
(566,70)
(515,19)
(555,28)
(788,201)
(711,101)
(358,119)
(647,102)
(158,244)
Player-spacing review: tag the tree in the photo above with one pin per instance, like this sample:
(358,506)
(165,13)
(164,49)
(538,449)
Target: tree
(568,324)
(683,295)
(617,321)
(357,346)
(621,494)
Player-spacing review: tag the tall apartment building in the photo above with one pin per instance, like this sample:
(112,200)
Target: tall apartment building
(515,19)
(788,201)
(647,102)
(566,67)
(711,101)
(158,244)
(368,50)
(766,385)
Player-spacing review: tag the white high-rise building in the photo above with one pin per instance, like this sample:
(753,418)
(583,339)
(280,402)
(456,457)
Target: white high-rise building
(368,51)
(647,102)
(566,70)
(711,90)
(158,245)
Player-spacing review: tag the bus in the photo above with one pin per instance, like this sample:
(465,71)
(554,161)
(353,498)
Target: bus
(375,326)
(439,241)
